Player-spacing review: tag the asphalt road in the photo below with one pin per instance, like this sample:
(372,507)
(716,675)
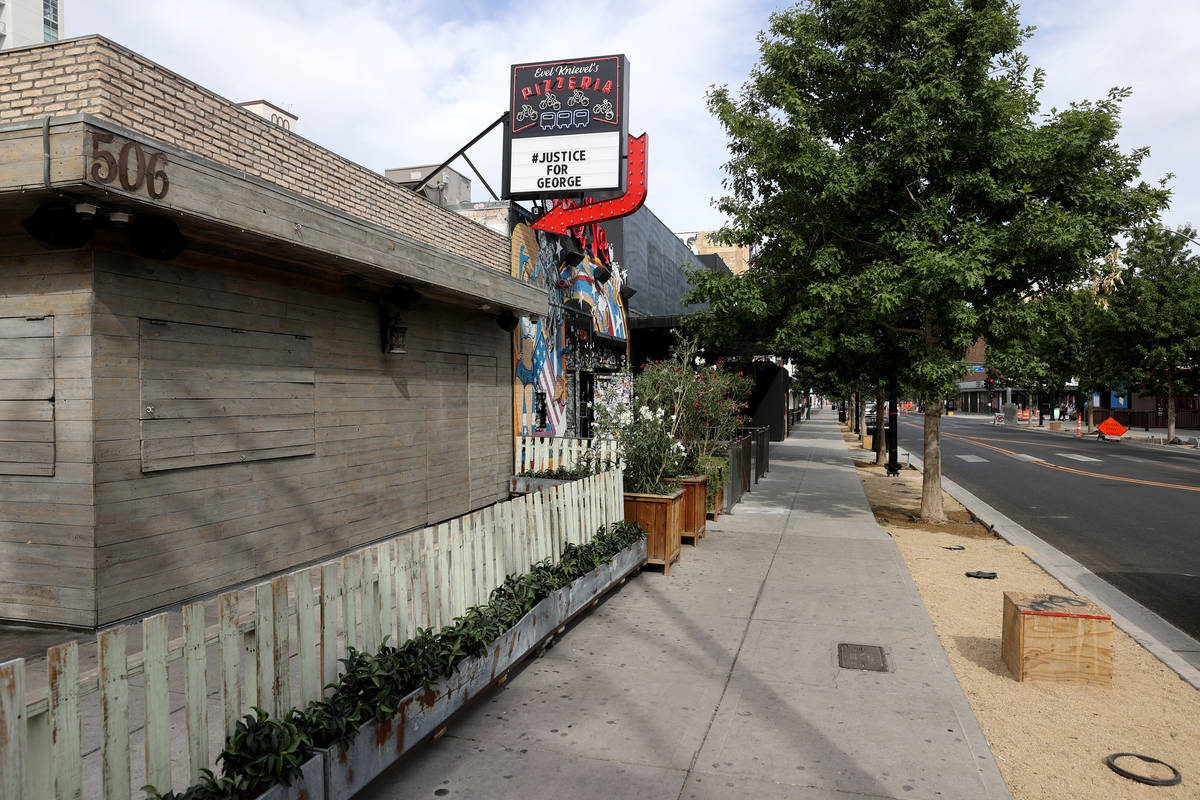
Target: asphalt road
(1130,514)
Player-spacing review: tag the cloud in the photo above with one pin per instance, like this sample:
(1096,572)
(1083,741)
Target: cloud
(391,84)
(1088,48)
(396,83)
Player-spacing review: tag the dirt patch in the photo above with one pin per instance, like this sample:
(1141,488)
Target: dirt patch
(1050,740)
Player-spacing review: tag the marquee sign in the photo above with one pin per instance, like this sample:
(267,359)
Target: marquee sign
(567,128)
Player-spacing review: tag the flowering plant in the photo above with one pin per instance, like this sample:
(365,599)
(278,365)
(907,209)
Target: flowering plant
(684,413)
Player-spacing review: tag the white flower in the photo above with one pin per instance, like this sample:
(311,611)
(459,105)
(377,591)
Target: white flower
(699,361)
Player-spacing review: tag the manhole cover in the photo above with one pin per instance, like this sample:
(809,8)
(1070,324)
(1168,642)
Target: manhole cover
(861,656)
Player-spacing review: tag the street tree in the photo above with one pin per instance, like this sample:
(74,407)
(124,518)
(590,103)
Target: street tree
(892,166)
(1157,315)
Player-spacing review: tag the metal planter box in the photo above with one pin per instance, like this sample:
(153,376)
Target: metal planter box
(377,746)
(309,786)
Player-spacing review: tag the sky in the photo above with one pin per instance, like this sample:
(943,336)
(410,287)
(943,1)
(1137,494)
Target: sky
(393,83)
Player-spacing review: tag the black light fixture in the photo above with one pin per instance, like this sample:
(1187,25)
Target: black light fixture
(400,297)
(601,274)
(152,236)
(570,252)
(627,291)
(394,332)
(507,321)
(58,226)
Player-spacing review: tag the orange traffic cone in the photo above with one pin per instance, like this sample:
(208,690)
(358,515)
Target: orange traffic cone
(1079,426)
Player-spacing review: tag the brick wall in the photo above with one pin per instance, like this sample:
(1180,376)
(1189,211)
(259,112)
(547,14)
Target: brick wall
(96,76)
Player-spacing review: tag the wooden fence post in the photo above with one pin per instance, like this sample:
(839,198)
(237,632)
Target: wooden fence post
(14,746)
(231,650)
(264,631)
(158,704)
(281,687)
(331,585)
(385,556)
(307,632)
(349,605)
(195,691)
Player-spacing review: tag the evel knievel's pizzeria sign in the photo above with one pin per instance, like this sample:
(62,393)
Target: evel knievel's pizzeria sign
(566,131)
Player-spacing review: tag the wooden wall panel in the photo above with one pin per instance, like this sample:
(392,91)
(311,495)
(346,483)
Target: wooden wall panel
(47,517)
(394,444)
(213,395)
(27,395)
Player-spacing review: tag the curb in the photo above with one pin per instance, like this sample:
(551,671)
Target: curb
(1162,639)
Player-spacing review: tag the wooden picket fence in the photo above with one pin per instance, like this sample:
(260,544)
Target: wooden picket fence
(421,579)
(551,452)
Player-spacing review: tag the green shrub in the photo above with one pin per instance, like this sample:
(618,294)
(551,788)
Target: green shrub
(264,751)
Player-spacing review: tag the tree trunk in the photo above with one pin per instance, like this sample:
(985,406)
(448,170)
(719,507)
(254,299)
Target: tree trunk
(1171,409)
(860,424)
(880,441)
(1090,416)
(932,509)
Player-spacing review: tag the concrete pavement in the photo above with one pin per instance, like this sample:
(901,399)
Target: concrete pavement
(722,681)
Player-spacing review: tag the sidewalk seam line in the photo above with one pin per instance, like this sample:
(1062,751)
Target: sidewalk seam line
(687,774)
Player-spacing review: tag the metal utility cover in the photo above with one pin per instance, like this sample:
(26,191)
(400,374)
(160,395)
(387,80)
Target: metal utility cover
(861,656)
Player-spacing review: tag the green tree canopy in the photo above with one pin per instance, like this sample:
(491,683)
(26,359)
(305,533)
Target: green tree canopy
(1157,315)
(890,163)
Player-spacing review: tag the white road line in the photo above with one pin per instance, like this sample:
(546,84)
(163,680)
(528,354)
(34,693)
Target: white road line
(1135,459)
(973,459)
(1078,457)
(1026,457)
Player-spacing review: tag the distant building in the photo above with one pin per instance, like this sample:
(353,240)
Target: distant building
(701,243)
(25,22)
(449,188)
(273,113)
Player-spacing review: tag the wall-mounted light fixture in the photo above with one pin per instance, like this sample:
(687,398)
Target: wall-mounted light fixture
(601,274)
(394,333)
(570,252)
(152,236)
(58,226)
(507,321)
(400,297)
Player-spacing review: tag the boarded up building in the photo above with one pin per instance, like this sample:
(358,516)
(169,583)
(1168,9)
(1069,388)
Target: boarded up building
(194,316)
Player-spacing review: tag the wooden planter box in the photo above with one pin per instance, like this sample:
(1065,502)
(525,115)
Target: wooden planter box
(310,785)
(695,507)
(421,714)
(661,516)
(1055,638)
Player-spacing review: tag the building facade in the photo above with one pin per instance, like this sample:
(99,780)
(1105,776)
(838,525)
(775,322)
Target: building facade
(24,22)
(227,351)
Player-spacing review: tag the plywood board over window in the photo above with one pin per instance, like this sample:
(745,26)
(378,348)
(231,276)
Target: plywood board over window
(212,395)
(27,396)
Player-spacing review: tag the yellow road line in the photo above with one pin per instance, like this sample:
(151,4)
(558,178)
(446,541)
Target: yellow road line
(1085,473)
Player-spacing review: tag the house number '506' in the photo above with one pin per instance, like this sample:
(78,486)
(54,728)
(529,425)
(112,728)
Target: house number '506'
(130,166)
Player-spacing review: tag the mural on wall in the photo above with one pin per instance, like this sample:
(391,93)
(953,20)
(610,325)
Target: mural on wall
(603,300)
(540,396)
(538,344)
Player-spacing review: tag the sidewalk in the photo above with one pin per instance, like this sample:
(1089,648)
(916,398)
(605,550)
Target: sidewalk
(722,681)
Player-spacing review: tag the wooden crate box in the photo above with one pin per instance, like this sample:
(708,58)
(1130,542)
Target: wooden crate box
(661,516)
(1058,638)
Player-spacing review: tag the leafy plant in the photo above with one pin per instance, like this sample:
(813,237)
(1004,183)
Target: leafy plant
(264,751)
(588,464)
